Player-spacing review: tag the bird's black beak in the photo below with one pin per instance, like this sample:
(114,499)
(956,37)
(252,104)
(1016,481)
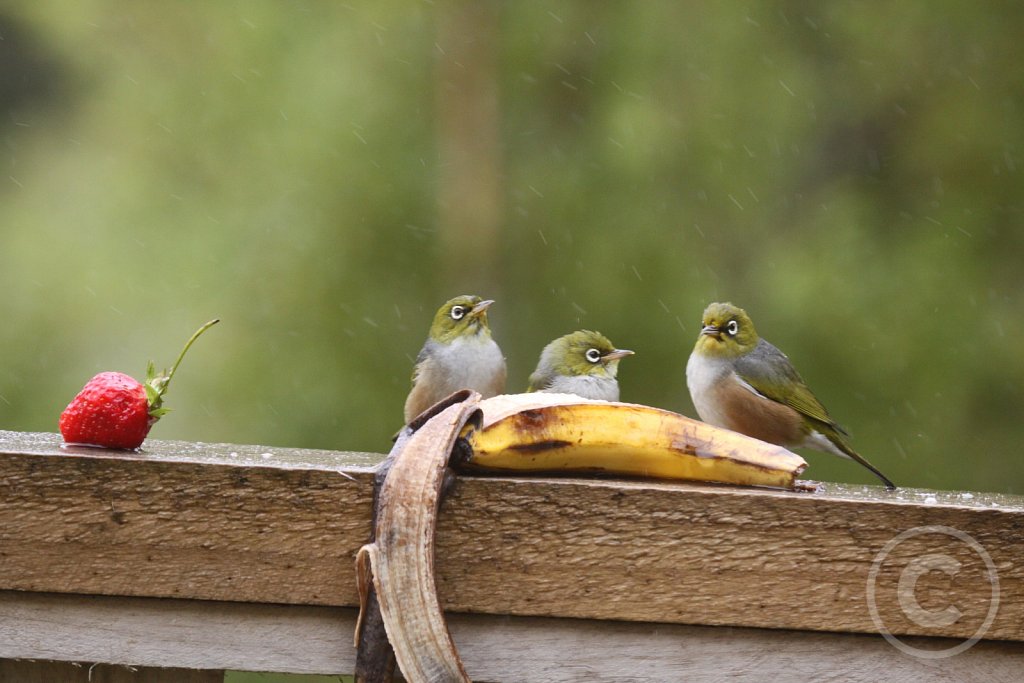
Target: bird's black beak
(711,331)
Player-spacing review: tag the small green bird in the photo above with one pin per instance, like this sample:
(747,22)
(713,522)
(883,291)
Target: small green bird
(741,382)
(459,354)
(584,363)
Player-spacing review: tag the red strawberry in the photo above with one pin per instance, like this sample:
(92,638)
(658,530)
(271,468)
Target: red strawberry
(110,411)
(116,411)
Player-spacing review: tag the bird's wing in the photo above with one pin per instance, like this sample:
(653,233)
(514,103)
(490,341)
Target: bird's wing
(418,365)
(767,370)
(538,381)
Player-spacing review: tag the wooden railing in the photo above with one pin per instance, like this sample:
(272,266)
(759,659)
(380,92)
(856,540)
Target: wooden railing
(214,557)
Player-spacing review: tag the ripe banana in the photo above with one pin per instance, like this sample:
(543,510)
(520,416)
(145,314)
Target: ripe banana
(564,433)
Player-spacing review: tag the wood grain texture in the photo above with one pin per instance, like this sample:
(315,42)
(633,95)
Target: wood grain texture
(253,637)
(27,671)
(190,520)
(192,634)
(278,525)
(720,555)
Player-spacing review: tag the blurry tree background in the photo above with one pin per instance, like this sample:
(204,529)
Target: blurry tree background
(322,176)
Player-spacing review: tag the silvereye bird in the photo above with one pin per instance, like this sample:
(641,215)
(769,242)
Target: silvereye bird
(459,354)
(584,363)
(741,382)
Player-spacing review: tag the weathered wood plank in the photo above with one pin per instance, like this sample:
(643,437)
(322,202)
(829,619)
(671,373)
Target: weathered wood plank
(192,634)
(254,637)
(731,556)
(26,671)
(190,520)
(280,525)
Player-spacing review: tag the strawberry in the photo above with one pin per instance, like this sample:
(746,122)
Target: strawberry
(110,411)
(114,410)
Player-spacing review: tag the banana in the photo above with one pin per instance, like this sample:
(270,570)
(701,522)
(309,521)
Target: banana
(564,433)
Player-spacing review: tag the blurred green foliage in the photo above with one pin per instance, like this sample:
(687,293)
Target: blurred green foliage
(850,173)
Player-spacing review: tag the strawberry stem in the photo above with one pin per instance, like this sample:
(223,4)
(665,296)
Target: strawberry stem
(188,345)
(156,385)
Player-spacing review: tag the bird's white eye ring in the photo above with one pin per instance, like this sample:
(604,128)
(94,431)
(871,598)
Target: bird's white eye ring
(732,328)
(593,355)
(458,312)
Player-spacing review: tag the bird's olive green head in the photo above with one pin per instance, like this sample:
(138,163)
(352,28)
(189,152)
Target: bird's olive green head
(726,332)
(463,316)
(583,353)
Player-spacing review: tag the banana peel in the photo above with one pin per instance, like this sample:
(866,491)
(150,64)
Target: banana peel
(562,433)
(400,617)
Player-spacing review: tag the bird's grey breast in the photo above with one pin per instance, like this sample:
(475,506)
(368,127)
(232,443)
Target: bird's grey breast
(469,362)
(704,378)
(585,386)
